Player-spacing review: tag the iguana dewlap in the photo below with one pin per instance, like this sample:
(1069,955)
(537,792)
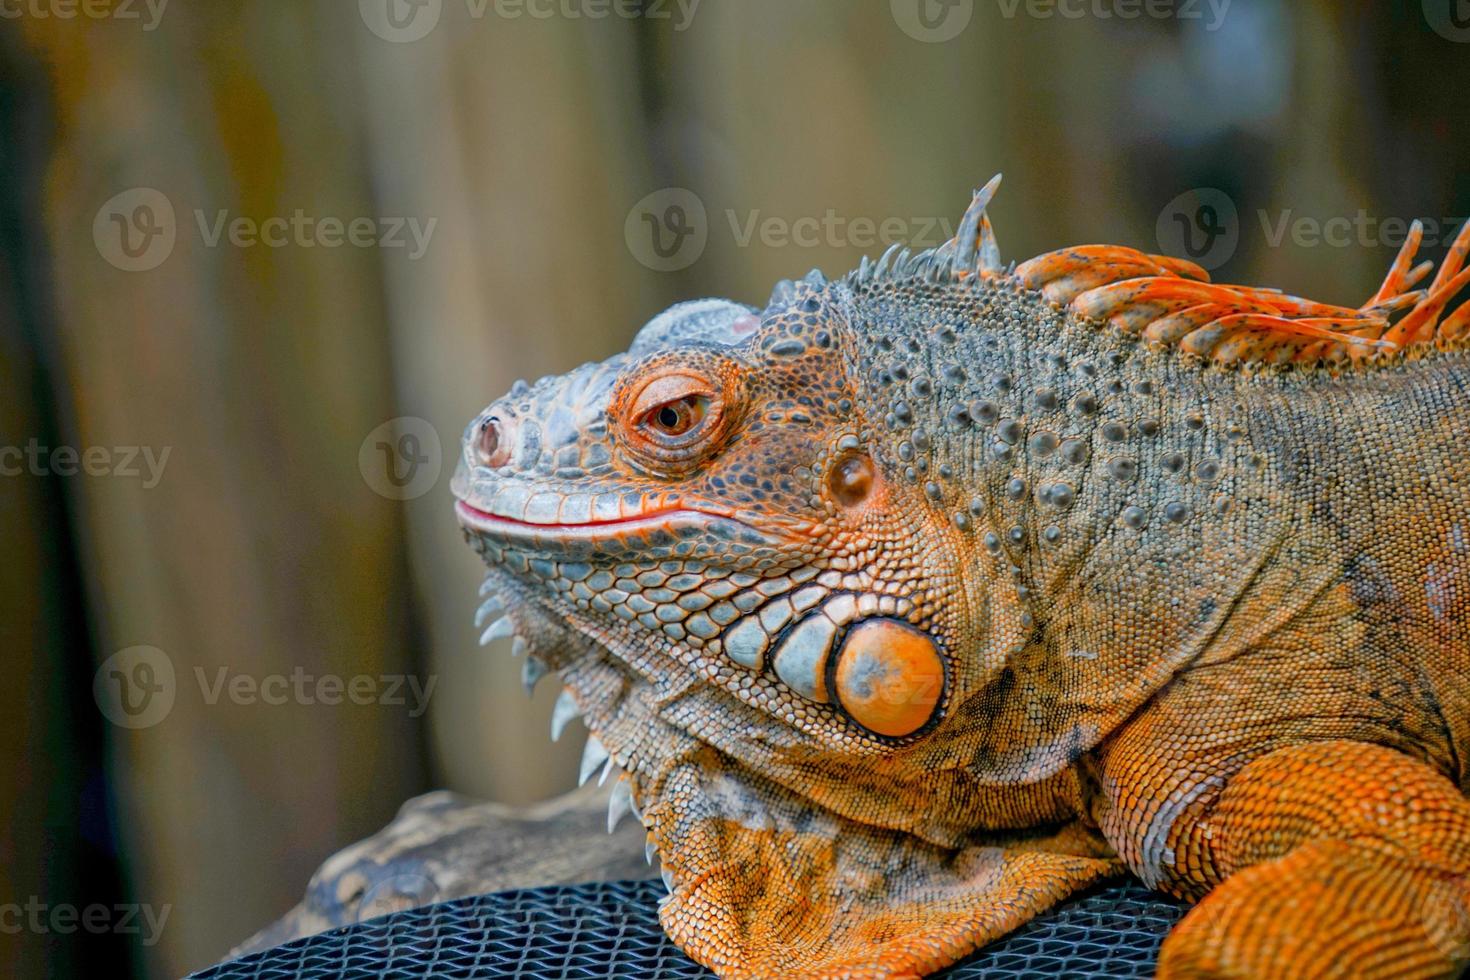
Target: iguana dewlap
(927,596)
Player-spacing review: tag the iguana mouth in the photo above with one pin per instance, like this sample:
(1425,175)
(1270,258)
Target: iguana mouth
(500,525)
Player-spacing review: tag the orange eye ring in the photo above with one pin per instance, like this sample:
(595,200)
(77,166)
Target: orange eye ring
(672,419)
(678,417)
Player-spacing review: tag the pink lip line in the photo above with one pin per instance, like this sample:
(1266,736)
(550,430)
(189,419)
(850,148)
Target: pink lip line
(480,520)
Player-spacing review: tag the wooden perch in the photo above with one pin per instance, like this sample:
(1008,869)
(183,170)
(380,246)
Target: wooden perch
(442,846)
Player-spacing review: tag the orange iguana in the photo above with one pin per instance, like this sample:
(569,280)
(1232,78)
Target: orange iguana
(928,596)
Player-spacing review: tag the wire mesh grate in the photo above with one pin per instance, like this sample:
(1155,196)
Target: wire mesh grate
(610,929)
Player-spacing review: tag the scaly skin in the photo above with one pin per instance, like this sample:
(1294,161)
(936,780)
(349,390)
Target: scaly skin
(926,597)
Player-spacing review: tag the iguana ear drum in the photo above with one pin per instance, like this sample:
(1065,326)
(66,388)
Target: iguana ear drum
(889,677)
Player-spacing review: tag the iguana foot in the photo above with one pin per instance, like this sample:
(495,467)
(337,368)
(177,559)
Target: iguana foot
(1338,859)
(1328,909)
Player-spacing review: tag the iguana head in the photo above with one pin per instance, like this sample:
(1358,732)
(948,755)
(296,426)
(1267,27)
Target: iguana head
(712,511)
(765,620)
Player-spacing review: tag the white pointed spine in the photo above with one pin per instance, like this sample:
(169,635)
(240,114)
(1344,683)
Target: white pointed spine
(593,755)
(498,630)
(563,712)
(492,606)
(619,804)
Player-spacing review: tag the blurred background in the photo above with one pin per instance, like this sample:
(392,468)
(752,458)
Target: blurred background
(260,261)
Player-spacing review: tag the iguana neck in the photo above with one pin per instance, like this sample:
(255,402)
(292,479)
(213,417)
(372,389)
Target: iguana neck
(1111,507)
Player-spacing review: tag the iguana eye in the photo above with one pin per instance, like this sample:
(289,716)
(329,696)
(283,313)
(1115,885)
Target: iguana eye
(671,410)
(677,417)
(671,418)
(851,480)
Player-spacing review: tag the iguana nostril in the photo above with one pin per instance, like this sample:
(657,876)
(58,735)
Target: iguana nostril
(851,480)
(492,445)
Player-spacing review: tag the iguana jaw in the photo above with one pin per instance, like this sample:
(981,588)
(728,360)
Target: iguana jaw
(508,528)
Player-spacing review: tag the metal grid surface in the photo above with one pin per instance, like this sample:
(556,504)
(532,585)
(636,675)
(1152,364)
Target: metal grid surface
(611,930)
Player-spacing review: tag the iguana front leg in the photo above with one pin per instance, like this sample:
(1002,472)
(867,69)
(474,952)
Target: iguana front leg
(1332,858)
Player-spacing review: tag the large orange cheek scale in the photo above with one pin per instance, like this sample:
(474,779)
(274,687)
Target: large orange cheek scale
(889,677)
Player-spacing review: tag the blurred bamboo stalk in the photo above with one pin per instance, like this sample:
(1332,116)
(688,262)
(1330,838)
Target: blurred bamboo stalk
(45,803)
(521,137)
(261,551)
